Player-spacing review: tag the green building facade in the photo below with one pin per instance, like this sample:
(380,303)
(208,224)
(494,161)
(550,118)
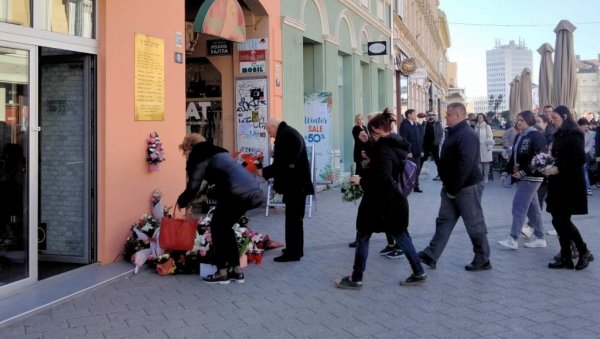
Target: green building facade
(324,46)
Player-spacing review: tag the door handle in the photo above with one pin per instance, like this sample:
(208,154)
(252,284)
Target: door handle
(36,129)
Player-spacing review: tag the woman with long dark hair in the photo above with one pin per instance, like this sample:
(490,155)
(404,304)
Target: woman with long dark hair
(383,207)
(566,188)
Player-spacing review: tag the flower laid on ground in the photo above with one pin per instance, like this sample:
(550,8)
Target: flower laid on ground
(542,161)
(142,234)
(351,192)
(155,151)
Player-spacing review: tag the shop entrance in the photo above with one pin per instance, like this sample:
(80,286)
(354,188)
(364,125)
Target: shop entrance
(15,104)
(47,163)
(66,226)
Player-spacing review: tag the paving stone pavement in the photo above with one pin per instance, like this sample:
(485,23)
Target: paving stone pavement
(518,298)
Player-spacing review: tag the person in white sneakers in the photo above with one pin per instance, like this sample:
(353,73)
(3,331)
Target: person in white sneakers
(528,143)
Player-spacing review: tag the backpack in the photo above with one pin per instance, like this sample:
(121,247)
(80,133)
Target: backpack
(407,180)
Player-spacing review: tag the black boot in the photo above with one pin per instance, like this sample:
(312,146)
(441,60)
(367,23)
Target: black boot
(562,263)
(584,260)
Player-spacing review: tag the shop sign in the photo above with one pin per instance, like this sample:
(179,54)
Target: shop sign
(253,45)
(219,47)
(252,56)
(420,73)
(377,48)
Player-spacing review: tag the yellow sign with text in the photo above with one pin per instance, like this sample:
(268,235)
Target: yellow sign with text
(149,78)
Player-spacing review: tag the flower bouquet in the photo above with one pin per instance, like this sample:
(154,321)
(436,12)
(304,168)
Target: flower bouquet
(138,244)
(351,192)
(542,161)
(251,162)
(154,151)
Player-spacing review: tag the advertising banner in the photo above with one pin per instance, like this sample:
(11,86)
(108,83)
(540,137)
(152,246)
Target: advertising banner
(251,116)
(317,122)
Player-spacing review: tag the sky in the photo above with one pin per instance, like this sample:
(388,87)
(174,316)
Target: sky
(476,24)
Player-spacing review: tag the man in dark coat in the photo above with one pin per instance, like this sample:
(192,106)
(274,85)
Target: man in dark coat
(461,192)
(409,130)
(290,171)
(431,140)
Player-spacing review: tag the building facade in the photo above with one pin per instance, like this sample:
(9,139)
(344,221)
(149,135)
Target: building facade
(421,39)
(481,104)
(325,48)
(588,86)
(82,85)
(503,63)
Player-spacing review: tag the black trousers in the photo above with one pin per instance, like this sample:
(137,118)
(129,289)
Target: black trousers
(418,162)
(433,151)
(567,232)
(295,204)
(223,237)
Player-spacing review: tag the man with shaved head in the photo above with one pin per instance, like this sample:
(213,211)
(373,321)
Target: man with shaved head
(290,171)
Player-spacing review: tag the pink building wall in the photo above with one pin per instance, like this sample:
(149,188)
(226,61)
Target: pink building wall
(124,183)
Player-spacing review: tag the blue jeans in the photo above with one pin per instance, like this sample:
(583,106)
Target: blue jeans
(587,177)
(466,204)
(526,204)
(362,253)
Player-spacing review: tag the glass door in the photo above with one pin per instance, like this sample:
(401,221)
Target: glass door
(18,165)
(66,154)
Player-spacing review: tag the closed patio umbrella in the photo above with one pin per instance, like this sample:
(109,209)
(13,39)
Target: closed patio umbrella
(525,89)
(545,76)
(565,76)
(514,101)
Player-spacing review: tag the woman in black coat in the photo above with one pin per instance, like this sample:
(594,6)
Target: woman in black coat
(358,144)
(566,188)
(236,192)
(383,207)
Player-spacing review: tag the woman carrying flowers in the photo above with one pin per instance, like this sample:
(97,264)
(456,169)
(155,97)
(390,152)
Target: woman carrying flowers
(236,191)
(527,145)
(383,207)
(566,188)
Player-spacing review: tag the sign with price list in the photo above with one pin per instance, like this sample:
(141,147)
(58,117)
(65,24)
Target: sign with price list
(317,122)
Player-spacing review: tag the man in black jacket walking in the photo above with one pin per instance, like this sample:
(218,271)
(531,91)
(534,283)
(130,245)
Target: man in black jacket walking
(410,130)
(461,192)
(291,172)
(431,140)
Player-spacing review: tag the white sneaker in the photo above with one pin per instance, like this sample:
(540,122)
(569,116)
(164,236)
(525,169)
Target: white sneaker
(551,232)
(536,243)
(509,243)
(526,231)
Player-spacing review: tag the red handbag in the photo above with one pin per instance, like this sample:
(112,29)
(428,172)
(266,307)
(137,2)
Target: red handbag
(177,234)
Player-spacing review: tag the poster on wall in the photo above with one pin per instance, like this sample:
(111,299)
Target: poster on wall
(317,122)
(149,78)
(251,116)
(252,56)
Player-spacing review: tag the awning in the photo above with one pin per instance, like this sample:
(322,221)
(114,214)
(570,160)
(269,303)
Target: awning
(222,18)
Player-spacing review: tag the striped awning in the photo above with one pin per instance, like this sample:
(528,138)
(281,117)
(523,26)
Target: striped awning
(222,18)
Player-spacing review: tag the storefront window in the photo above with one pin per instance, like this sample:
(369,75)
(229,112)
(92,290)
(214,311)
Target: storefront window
(73,17)
(17,12)
(403,94)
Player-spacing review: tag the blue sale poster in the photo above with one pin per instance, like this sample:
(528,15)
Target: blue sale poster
(317,122)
